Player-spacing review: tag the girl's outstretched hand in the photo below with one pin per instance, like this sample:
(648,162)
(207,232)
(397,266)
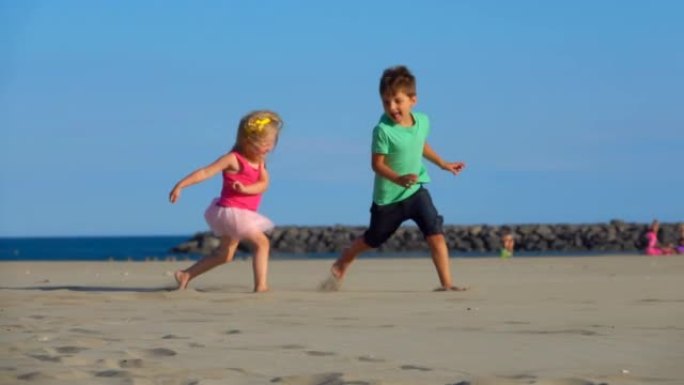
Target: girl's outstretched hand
(454,167)
(174,194)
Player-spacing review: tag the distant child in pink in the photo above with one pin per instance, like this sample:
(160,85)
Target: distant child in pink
(653,248)
(233,215)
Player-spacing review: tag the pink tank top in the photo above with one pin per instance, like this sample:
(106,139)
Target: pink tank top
(247,175)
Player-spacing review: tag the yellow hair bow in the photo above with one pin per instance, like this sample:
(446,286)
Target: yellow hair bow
(255,126)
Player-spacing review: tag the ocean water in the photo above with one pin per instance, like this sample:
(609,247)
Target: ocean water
(158,248)
(91,248)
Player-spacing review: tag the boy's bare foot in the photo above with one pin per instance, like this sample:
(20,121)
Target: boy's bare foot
(182,278)
(451,288)
(331,283)
(334,281)
(337,270)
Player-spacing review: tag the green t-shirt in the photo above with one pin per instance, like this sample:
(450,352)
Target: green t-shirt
(403,150)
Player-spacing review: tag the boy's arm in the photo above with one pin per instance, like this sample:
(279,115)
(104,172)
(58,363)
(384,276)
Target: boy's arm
(257,187)
(225,162)
(381,168)
(432,156)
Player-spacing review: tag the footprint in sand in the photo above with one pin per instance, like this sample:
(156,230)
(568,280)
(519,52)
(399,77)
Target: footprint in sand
(113,373)
(33,376)
(173,337)
(69,349)
(323,378)
(160,352)
(234,331)
(516,323)
(528,378)
(317,353)
(579,332)
(415,367)
(45,357)
(131,363)
(369,359)
(319,379)
(292,347)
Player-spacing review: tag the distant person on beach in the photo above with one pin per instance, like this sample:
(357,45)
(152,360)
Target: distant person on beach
(680,245)
(398,146)
(653,246)
(508,245)
(233,215)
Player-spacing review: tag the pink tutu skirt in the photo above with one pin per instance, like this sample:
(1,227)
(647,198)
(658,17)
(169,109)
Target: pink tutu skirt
(234,222)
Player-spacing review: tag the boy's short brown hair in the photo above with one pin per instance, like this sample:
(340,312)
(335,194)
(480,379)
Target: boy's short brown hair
(396,79)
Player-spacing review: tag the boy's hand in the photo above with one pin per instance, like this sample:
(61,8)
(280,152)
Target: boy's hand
(174,194)
(454,167)
(407,180)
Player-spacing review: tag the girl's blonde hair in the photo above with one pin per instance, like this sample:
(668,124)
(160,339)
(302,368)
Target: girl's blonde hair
(255,126)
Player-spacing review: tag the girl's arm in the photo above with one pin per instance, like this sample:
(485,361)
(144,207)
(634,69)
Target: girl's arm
(431,155)
(257,187)
(381,168)
(226,162)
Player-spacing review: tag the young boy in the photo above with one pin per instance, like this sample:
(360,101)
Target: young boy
(399,144)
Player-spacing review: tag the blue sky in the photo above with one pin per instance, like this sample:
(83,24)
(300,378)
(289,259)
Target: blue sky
(564,111)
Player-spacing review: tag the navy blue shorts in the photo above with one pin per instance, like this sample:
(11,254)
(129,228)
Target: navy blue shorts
(386,219)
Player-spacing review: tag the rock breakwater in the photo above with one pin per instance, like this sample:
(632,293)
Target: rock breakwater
(614,236)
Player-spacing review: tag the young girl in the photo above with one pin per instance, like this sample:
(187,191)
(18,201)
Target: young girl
(233,216)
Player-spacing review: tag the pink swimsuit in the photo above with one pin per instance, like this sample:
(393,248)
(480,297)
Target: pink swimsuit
(247,175)
(234,214)
(651,248)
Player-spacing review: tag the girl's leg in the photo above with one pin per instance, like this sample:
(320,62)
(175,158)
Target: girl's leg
(440,257)
(261,246)
(224,254)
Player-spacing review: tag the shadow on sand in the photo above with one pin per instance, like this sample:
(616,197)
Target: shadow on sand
(109,289)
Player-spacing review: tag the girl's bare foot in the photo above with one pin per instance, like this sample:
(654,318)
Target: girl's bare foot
(451,288)
(261,289)
(182,278)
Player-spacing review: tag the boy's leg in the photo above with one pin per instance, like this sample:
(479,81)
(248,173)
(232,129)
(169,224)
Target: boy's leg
(385,220)
(224,254)
(349,254)
(424,213)
(440,257)
(262,247)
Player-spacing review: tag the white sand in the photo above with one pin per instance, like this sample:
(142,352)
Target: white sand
(557,321)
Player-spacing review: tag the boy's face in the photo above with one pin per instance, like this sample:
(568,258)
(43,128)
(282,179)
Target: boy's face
(398,106)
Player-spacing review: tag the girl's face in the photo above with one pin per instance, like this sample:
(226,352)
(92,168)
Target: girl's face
(398,107)
(259,148)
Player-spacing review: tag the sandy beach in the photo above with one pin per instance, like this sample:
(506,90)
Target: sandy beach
(565,321)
